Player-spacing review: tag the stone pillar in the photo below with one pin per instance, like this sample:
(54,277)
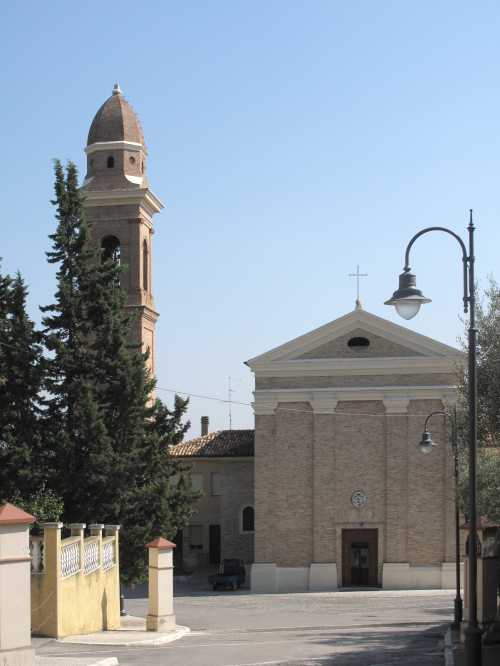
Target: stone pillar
(15,581)
(161,586)
(45,589)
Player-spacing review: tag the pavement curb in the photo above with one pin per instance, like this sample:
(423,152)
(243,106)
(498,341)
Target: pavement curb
(167,638)
(448,649)
(110,661)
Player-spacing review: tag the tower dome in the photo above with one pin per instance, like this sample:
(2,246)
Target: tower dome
(115,121)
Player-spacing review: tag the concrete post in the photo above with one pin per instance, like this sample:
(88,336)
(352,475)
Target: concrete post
(161,586)
(96,531)
(487,567)
(113,530)
(45,589)
(15,593)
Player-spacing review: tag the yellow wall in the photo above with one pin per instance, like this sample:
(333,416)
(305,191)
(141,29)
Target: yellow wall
(79,603)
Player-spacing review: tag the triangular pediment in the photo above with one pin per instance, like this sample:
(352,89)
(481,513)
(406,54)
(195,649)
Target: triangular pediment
(386,340)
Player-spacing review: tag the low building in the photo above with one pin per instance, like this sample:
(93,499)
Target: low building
(223,525)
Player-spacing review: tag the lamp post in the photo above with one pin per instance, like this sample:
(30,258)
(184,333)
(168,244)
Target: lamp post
(426,446)
(407,300)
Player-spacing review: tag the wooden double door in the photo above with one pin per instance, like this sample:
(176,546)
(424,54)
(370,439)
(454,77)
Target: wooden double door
(360,558)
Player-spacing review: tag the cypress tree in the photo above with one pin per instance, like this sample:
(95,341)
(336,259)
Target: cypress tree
(21,459)
(110,438)
(74,432)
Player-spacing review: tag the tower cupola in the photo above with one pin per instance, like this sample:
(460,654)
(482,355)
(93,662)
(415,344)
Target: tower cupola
(116,152)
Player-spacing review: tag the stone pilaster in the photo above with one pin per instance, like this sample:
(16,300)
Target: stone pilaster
(323,480)
(396,473)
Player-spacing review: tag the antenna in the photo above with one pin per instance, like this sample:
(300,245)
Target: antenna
(231,391)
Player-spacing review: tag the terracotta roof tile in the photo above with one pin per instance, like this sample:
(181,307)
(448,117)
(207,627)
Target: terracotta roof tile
(160,543)
(115,121)
(218,444)
(482,524)
(11,514)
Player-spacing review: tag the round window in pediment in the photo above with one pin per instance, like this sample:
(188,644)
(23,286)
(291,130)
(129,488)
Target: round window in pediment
(358,344)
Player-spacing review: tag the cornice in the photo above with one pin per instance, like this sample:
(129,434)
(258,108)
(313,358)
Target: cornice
(395,399)
(140,195)
(418,365)
(147,312)
(214,458)
(116,145)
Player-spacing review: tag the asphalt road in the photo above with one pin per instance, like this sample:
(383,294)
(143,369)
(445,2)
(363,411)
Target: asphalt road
(294,629)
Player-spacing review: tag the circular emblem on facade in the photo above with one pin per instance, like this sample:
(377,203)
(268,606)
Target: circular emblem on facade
(358,499)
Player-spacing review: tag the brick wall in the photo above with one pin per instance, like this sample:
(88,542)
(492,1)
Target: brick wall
(128,225)
(264,540)
(308,465)
(237,483)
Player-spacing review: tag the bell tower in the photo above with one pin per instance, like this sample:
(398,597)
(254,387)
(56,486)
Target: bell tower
(121,205)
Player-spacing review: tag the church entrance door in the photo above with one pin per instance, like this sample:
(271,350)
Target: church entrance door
(359,558)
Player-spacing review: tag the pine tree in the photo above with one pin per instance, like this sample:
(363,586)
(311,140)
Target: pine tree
(110,441)
(21,456)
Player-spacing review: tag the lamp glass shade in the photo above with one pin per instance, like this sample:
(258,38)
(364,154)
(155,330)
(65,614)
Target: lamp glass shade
(407,308)
(426,445)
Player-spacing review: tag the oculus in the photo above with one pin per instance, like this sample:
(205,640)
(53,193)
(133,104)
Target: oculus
(358,344)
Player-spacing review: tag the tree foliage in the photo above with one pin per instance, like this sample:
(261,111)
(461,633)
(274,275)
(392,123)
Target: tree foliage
(488,370)
(101,439)
(22,372)
(488,410)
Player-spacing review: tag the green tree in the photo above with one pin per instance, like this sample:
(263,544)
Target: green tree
(21,459)
(109,439)
(43,504)
(488,370)
(488,409)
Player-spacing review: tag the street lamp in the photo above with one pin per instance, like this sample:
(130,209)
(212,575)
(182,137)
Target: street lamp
(407,300)
(426,446)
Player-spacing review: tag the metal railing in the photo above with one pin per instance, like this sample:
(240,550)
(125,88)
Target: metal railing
(70,559)
(91,556)
(108,554)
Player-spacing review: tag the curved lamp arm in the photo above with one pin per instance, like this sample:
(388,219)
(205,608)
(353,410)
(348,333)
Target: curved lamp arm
(445,414)
(465,258)
(426,445)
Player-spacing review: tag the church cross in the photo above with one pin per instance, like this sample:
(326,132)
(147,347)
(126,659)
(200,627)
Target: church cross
(357,275)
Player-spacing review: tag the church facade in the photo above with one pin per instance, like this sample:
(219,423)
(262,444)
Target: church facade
(342,494)
(121,205)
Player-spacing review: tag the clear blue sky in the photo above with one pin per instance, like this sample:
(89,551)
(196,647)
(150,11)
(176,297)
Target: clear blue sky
(289,141)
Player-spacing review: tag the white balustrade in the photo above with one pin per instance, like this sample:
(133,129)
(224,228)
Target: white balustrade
(37,553)
(91,556)
(108,555)
(70,559)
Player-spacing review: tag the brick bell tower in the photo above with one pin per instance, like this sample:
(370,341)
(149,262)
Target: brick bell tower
(121,205)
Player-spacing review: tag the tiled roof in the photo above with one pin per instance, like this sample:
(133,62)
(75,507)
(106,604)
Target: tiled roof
(218,444)
(482,524)
(115,121)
